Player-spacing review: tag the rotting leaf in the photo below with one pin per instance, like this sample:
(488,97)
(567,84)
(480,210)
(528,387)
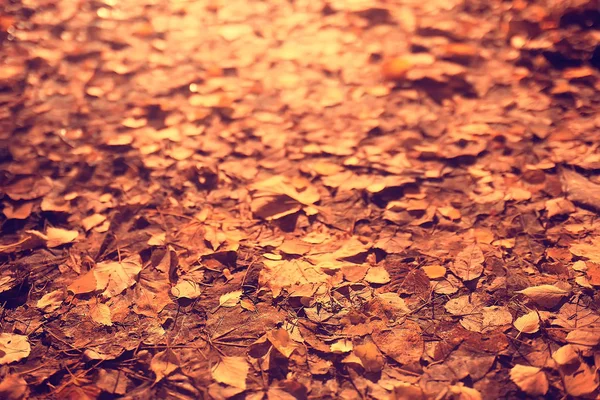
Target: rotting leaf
(164,363)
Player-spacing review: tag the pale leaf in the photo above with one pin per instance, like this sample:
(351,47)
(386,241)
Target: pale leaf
(230,299)
(186,289)
(528,323)
(231,371)
(377,275)
(51,301)
(13,348)
(531,380)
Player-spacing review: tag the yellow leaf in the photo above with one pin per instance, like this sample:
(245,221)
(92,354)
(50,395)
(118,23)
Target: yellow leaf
(528,323)
(566,355)
(531,380)
(231,371)
(13,348)
(545,295)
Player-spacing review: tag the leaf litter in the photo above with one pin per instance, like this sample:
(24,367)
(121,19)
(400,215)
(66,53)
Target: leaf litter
(311,199)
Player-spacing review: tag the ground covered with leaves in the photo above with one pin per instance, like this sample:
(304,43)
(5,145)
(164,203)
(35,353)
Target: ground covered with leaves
(280,199)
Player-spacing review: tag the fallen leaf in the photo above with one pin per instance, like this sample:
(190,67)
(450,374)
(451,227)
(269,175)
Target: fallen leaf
(100,313)
(55,237)
(531,380)
(231,371)
(464,392)
(51,301)
(580,190)
(92,221)
(584,336)
(230,299)
(468,264)
(545,295)
(559,206)
(164,363)
(403,343)
(581,382)
(13,348)
(377,275)
(434,271)
(186,289)
(566,355)
(86,283)
(528,323)
(113,277)
(14,387)
(370,356)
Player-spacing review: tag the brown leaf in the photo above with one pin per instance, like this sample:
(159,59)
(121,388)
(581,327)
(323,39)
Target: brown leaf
(13,387)
(580,190)
(545,295)
(581,382)
(468,264)
(402,343)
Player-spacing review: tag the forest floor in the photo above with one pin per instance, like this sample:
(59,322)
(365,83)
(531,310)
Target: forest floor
(295,199)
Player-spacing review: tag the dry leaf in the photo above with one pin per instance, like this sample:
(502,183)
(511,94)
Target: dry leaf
(589,336)
(13,348)
(51,301)
(468,264)
(186,289)
(92,221)
(164,363)
(581,382)
(580,190)
(55,237)
(230,299)
(100,313)
(528,323)
(464,392)
(531,380)
(370,357)
(559,206)
(86,283)
(434,271)
(402,343)
(231,371)
(114,277)
(377,275)
(566,355)
(545,295)
(13,387)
